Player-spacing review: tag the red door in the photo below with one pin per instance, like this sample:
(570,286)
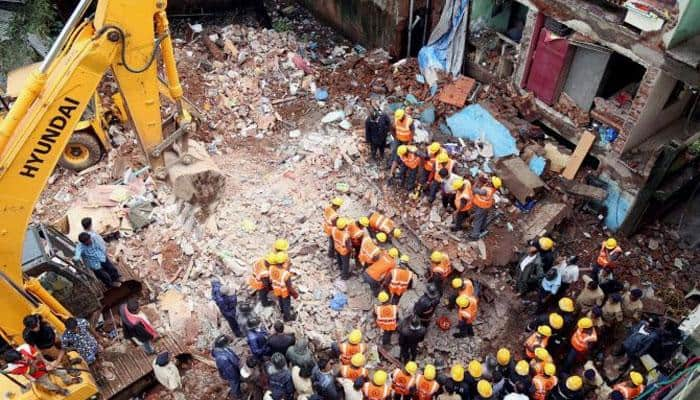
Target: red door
(548,65)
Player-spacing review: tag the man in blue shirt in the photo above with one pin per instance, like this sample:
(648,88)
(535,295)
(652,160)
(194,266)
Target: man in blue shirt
(549,289)
(91,249)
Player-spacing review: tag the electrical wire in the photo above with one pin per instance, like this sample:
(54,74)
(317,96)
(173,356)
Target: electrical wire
(665,385)
(120,32)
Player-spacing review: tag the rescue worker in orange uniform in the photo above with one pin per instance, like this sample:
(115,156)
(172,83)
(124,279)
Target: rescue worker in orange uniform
(358,230)
(483,202)
(632,388)
(282,245)
(402,134)
(369,251)
(468,309)
(356,369)
(461,287)
(607,258)
(582,342)
(428,166)
(542,384)
(259,279)
(403,381)
(343,247)
(375,274)
(381,223)
(442,162)
(349,347)
(409,161)
(378,388)
(387,317)
(539,338)
(426,385)
(440,268)
(542,357)
(282,287)
(463,202)
(330,216)
(399,280)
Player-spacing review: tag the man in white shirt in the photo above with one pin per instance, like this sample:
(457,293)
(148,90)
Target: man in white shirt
(166,373)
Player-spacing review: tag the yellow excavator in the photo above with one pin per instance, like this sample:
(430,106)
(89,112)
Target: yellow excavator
(131,38)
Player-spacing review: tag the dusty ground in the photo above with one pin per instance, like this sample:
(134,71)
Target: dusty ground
(281,170)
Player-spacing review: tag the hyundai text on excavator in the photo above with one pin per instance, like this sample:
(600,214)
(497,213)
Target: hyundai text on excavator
(126,37)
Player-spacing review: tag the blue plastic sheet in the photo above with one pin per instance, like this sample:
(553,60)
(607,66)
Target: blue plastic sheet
(321,94)
(339,301)
(617,202)
(537,165)
(472,121)
(437,55)
(428,116)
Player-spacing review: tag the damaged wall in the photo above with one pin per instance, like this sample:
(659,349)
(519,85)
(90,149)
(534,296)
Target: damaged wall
(688,25)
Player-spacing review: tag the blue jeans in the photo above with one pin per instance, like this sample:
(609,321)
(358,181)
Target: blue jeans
(148,347)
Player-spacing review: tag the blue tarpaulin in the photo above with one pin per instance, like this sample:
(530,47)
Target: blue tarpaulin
(473,121)
(617,202)
(445,48)
(537,165)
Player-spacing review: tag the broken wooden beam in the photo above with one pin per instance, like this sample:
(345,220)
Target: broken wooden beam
(582,148)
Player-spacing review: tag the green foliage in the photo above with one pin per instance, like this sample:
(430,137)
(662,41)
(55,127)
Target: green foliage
(35,16)
(281,25)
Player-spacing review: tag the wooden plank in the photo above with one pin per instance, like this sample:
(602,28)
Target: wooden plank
(584,145)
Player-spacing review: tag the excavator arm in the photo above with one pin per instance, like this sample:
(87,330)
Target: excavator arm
(125,36)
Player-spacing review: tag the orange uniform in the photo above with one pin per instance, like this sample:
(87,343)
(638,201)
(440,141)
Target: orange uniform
(468,314)
(368,251)
(485,201)
(279,278)
(260,272)
(466,194)
(449,166)
(542,385)
(410,160)
(629,391)
(387,317)
(582,341)
(425,389)
(347,350)
(352,373)
(381,223)
(400,280)
(374,392)
(330,215)
(341,237)
(534,341)
(403,129)
(356,234)
(467,288)
(379,270)
(402,382)
(443,269)
(604,260)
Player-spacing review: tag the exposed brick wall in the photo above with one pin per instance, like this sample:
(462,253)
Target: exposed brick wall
(638,104)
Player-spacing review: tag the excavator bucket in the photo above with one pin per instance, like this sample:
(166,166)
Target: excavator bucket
(193,175)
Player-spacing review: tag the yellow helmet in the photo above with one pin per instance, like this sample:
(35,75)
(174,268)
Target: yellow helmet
(442,158)
(281,257)
(364,221)
(458,184)
(337,201)
(566,304)
(463,301)
(357,360)
(403,149)
(546,243)
(434,147)
(503,356)
(429,372)
(522,368)
(484,388)
(399,113)
(610,244)
(381,237)
(394,252)
(397,233)
(636,378)
(457,373)
(355,336)
(411,367)
(585,323)
(457,283)
(542,354)
(544,330)
(281,245)
(496,182)
(271,258)
(474,368)
(379,378)
(436,256)
(341,223)
(550,369)
(383,297)
(574,383)
(404,258)
(556,321)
